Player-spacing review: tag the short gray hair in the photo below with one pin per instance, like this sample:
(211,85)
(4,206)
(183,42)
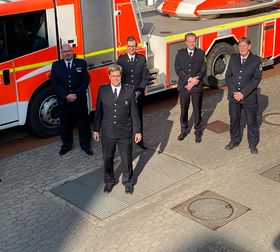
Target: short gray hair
(190,34)
(114,68)
(244,39)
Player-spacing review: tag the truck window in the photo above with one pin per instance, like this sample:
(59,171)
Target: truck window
(25,33)
(3,44)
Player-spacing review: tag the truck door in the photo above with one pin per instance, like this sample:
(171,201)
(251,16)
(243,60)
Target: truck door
(98,30)
(8,94)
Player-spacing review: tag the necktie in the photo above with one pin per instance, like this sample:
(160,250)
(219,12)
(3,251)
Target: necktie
(132,59)
(69,66)
(190,53)
(115,94)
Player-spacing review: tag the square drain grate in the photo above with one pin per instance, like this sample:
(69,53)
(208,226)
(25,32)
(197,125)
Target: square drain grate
(273,173)
(222,245)
(210,209)
(218,127)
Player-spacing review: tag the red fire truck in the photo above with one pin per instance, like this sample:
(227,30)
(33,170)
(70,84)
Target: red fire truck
(31,33)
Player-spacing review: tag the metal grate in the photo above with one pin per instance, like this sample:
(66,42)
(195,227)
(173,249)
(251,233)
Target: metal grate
(210,209)
(273,173)
(218,127)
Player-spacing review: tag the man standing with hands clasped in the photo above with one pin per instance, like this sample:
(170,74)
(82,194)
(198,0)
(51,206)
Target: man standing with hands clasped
(190,67)
(116,118)
(70,79)
(135,73)
(243,76)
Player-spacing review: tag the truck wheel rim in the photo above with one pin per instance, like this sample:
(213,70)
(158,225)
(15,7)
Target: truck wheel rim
(48,112)
(220,64)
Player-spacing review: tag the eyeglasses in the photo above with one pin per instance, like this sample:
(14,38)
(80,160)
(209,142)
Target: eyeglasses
(131,46)
(66,51)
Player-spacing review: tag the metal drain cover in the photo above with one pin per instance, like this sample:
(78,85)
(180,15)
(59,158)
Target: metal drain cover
(218,127)
(272,119)
(210,209)
(273,173)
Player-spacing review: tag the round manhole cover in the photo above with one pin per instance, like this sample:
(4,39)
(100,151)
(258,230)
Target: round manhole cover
(210,209)
(272,119)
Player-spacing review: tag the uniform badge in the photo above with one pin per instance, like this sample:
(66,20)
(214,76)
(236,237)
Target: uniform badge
(78,69)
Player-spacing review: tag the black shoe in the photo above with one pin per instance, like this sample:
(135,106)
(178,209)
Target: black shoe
(198,138)
(108,188)
(89,152)
(182,136)
(254,149)
(129,189)
(142,145)
(63,151)
(231,145)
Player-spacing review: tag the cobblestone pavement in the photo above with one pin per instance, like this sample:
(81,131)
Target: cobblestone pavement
(33,219)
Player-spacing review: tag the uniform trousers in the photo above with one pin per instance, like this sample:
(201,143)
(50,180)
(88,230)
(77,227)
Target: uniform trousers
(197,105)
(250,111)
(70,115)
(125,149)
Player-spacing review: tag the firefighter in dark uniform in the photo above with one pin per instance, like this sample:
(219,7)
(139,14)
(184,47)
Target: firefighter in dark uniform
(243,76)
(116,116)
(70,81)
(135,73)
(190,67)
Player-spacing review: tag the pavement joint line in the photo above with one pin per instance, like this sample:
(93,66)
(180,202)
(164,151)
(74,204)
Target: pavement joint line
(177,159)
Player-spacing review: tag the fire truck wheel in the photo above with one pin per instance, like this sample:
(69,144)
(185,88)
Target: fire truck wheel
(217,62)
(43,116)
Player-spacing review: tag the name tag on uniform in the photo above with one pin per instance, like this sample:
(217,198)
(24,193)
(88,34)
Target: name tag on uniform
(79,69)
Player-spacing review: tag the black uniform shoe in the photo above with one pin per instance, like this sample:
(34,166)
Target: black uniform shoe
(198,138)
(89,152)
(254,149)
(142,145)
(129,189)
(231,145)
(108,188)
(63,151)
(182,136)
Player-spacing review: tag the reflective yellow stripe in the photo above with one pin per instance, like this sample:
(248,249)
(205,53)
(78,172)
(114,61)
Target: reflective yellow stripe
(224,26)
(31,66)
(41,64)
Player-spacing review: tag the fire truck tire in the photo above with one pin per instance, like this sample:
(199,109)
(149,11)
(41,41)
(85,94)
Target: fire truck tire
(217,62)
(43,117)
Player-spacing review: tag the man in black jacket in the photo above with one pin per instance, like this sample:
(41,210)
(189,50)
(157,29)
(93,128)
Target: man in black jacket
(135,73)
(190,67)
(117,118)
(243,76)
(70,81)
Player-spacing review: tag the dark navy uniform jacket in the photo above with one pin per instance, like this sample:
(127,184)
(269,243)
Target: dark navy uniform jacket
(244,78)
(134,73)
(116,119)
(67,82)
(187,66)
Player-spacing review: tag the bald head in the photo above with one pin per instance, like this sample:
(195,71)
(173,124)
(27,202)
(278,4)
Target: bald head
(66,52)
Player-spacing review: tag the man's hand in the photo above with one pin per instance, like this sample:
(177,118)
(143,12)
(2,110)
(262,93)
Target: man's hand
(238,96)
(95,136)
(194,80)
(137,137)
(137,94)
(189,86)
(71,97)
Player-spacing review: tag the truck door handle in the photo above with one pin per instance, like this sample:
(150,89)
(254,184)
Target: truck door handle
(6,76)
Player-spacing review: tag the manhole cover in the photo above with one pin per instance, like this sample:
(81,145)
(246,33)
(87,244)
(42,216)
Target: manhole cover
(210,209)
(272,119)
(218,126)
(273,173)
